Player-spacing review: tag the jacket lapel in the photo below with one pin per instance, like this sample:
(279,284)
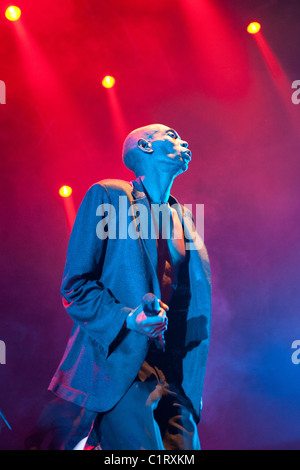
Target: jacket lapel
(193,241)
(141,203)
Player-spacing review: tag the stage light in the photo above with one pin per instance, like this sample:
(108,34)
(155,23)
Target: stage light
(13,13)
(254,28)
(108,81)
(65,191)
(68,203)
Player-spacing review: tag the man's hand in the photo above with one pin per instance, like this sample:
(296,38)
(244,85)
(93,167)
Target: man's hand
(151,326)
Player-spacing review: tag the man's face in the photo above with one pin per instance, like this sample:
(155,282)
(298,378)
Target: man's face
(169,151)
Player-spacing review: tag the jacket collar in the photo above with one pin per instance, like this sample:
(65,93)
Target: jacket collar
(138,191)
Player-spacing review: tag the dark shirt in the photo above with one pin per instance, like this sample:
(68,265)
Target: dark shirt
(172,270)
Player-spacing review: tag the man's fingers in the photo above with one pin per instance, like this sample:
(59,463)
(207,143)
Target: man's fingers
(153,322)
(163,315)
(158,331)
(163,305)
(155,330)
(156,305)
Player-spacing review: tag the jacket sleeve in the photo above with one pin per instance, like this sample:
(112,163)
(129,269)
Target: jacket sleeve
(88,302)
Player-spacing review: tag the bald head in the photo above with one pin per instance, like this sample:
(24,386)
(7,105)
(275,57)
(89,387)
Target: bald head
(138,144)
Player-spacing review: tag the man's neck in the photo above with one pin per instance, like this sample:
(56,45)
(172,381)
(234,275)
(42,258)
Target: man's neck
(157,189)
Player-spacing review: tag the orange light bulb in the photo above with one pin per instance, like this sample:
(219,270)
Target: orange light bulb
(254,28)
(65,191)
(13,13)
(108,81)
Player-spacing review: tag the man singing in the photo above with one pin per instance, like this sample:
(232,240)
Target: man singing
(137,286)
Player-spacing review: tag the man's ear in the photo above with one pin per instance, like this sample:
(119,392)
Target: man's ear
(145,146)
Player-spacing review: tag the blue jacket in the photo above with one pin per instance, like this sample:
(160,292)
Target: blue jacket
(104,279)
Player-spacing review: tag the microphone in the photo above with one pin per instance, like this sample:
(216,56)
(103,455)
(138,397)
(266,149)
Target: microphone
(149,303)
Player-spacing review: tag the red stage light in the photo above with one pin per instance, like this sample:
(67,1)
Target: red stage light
(65,191)
(254,28)
(108,81)
(13,13)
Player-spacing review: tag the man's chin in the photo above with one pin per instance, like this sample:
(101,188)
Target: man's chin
(185,165)
(183,168)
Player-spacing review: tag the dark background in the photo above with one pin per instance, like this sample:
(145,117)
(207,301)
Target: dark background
(201,73)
